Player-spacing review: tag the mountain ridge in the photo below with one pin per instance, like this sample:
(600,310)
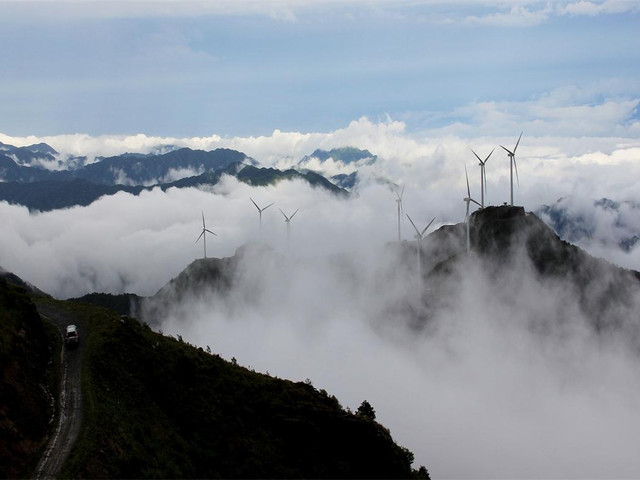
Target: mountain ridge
(158,407)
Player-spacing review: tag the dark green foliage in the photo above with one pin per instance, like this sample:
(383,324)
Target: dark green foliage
(27,381)
(124,303)
(365,410)
(158,407)
(421,473)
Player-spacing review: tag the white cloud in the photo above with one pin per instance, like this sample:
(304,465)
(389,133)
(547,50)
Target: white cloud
(502,13)
(589,8)
(517,16)
(484,391)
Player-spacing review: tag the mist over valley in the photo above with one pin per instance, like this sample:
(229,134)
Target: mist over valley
(521,357)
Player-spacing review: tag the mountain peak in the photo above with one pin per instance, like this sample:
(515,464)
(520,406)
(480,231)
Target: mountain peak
(346,155)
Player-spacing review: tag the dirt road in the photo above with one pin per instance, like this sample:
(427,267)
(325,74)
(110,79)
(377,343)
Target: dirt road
(69,414)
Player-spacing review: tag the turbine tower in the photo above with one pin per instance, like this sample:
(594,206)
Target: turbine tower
(287,221)
(203,235)
(483,176)
(399,202)
(512,159)
(419,237)
(260,210)
(468,199)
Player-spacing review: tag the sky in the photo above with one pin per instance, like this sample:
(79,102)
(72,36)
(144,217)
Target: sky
(417,83)
(247,68)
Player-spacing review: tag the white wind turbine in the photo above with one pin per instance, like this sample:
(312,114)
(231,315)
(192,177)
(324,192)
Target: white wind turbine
(288,221)
(419,237)
(468,200)
(260,210)
(512,161)
(399,202)
(483,176)
(203,235)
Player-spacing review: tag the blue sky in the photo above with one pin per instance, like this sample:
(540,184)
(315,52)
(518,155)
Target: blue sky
(247,68)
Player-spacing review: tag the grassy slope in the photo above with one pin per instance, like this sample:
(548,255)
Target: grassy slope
(158,407)
(29,350)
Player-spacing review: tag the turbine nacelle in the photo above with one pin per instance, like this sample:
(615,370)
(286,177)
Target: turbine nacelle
(260,210)
(286,218)
(202,235)
(420,234)
(513,164)
(468,198)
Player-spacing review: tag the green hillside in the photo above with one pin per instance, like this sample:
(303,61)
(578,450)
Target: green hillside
(28,354)
(157,407)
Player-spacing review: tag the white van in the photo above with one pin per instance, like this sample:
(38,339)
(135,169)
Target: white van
(72,338)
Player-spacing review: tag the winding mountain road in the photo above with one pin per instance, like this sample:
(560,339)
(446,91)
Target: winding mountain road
(69,412)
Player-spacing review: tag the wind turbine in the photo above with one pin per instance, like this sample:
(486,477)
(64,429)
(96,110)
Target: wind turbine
(419,236)
(203,235)
(399,202)
(512,158)
(483,176)
(260,210)
(287,221)
(468,199)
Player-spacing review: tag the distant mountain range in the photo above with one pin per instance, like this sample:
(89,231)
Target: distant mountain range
(346,160)
(344,155)
(604,222)
(26,182)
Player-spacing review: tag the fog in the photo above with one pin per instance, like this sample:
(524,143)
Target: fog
(505,380)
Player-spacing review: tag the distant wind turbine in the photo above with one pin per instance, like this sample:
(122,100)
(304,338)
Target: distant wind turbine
(203,235)
(260,210)
(288,221)
(419,237)
(468,199)
(399,202)
(483,176)
(512,162)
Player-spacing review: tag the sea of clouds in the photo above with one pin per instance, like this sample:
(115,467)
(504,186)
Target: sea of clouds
(479,394)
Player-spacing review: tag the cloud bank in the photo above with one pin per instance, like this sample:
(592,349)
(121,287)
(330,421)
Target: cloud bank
(505,379)
(477,393)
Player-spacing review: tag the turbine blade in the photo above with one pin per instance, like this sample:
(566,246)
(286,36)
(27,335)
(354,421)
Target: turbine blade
(515,165)
(292,215)
(508,151)
(414,225)
(200,236)
(477,156)
(401,193)
(466,175)
(485,160)
(207,230)
(427,227)
(516,147)
(284,214)
(267,207)
(254,203)
(472,200)
(203,225)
